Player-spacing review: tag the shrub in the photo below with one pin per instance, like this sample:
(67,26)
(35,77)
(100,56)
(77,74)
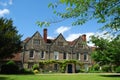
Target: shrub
(36,71)
(36,67)
(25,71)
(9,68)
(106,68)
(96,67)
(117,70)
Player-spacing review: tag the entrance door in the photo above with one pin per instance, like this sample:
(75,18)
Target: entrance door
(69,68)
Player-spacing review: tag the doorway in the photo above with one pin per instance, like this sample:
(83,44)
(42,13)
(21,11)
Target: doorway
(69,68)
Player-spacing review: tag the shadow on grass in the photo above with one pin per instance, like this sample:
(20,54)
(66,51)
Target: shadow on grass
(110,76)
(4,78)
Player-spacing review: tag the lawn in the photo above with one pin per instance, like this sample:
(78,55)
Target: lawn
(61,77)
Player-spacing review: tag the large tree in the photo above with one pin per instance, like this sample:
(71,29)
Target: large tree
(107,51)
(10,40)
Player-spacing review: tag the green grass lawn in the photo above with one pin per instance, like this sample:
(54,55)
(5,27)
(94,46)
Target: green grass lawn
(61,77)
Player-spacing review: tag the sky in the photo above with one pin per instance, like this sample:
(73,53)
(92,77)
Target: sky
(25,14)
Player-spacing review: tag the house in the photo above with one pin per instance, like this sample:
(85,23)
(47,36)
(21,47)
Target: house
(38,48)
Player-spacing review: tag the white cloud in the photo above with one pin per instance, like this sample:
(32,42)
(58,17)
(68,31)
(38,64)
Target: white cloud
(3,12)
(49,37)
(72,37)
(62,29)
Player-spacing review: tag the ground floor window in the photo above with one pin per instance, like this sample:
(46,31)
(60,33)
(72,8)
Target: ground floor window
(56,66)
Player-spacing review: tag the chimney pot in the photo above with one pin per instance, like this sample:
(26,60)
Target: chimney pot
(84,37)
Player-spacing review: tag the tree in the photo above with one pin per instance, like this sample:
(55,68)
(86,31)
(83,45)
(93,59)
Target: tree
(10,42)
(107,52)
(104,11)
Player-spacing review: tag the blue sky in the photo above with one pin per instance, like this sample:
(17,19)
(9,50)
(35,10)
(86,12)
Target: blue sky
(25,14)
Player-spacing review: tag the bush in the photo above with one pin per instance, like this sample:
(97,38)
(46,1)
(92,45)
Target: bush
(36,71)
(36,67)
(106,68)
(117,70)
(96,67)
(25,71)
(9,68)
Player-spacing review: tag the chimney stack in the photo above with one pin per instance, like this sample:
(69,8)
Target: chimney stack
(45,34)
(84,37)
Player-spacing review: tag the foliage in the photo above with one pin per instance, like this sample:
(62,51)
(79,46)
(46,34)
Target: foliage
(117,69)
(107,51)
(106,68)
(9,39)
(35,67)
(81,11)
(36,71)
(25,71)
(9,68)
(96,67)
(62,63)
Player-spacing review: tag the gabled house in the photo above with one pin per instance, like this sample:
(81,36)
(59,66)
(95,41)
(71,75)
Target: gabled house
(38,48)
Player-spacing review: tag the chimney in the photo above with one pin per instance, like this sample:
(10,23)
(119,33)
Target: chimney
(45,34)
(84,37)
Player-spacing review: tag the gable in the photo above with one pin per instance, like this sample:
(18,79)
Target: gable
(60,41)
(36,41)
(79,42)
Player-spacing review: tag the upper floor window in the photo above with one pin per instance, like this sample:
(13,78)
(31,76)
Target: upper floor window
(42,54)
(64,55)
(31,54)
(60,43)
(56,55)
(85,57)
(80,45)
(36,41)
(78,56)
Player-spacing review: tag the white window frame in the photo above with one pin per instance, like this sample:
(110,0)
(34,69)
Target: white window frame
(56,55)
(30,53)
(79,56)
(86,56)
(43,54)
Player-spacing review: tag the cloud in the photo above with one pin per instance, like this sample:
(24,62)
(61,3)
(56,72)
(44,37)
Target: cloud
(62,29)
(49,37)
(72,37)
(4,12)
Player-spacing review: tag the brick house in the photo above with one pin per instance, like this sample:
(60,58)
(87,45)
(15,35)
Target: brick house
(38,48)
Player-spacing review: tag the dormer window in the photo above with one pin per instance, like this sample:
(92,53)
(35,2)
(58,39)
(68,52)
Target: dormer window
(36,41)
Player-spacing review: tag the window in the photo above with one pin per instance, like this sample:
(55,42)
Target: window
(36,41)
(56,55)
(80,45)
(42,54)
(85,56)
(31,54)
(55,66)
(60,43)
(78,56)
(64,55)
